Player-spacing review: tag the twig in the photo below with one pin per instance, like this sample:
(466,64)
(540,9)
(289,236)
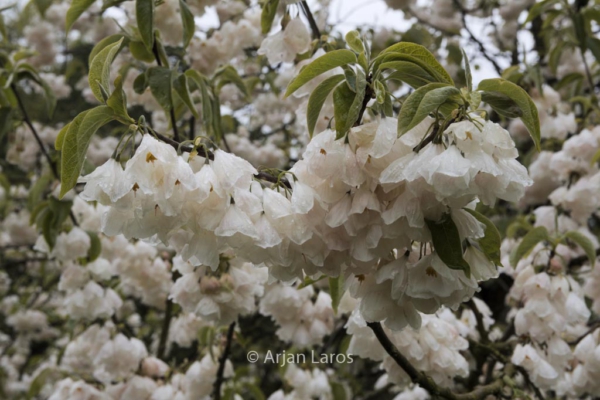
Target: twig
(463,13)
(311,20)
(171,111)
(39,141)
(222,360)
(34,131)
(164,334)
(483,335)
(423,380)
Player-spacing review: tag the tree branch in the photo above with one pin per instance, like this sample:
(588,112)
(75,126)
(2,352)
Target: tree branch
(463,13)
(164,334)
(311,20)
(171,111)
(423,380)
(222,361)
(39,142)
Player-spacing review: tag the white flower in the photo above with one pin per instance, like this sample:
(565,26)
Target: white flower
(284,45)
(119,358)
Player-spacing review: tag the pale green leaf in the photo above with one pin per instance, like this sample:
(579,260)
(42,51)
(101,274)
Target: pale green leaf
(76,142)
(102,44)
(354,41)
(380,92)
(144,15)
(187,20)
(502,104)
(582,241)
(424,101)
(420,53)
(529,241)
(336,291)
(95,246)
(183,90)
(447,244)
(538,8)
(159,80)
(594,45)
(468,76)
(140,52)
(267,16)
(326,62)
(491,241)
(99,74)
(228,74)
(317,99)
(343,97)
(118,103)
(350,113)
(75,10)
(529,117)
(408,72)
(60,138)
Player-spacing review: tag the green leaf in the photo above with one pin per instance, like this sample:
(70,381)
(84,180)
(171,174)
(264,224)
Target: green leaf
(468,76)
(595,157)
(140,52)
(95,246)
(102,44)
(491,241)
(582,241)
(182,89)
(317,99)
(538,8)
(267,16)
(502,104)
(36,386)
(189,26)
(380,92)
(77,8)
(326,62)
(337,390)
(420,53)
(100,69)
(144,15)
(354,41)
(529,117)
(408,72)
(36,191)
(343,97)
(529,241)
(447,244)
(336,290)
(140,83)
(594,45)
(228,74)
(76,142)
(60,138)
(29,71)
(424,101)
(118,103)
(347,104)
(159,80)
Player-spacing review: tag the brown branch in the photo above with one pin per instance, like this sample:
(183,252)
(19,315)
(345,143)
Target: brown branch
(222,361)
(311,20)
(171,111)
(463,13)
(423,380)
(39,142)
